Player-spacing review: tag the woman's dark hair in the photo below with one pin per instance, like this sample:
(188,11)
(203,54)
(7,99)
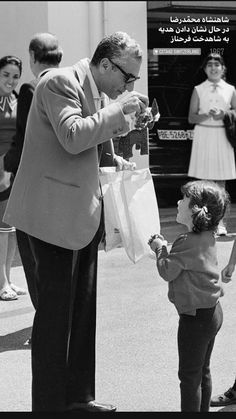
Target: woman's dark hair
(208,201)
(113,45)
(46,48)
(11,59)
(217,57)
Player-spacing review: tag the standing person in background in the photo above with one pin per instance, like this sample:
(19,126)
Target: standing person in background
(44,54)
(56,199)
(191,270)
(229,396)
(10,73)
(212,156)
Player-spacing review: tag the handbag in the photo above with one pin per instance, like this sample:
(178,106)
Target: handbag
(230,126)
(131,212)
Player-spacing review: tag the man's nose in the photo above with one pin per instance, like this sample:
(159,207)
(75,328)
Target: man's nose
(130,86)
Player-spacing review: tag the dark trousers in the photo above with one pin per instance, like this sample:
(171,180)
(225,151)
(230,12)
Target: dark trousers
(63,336)
(29,264)
(196,336)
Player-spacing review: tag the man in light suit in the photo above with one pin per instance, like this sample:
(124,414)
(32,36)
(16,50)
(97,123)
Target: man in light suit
(45,54)
(56,199)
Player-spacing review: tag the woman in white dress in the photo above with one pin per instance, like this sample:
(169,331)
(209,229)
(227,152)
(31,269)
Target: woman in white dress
(212,156)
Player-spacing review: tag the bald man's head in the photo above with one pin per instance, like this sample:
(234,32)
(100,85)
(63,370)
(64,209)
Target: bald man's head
(46,48)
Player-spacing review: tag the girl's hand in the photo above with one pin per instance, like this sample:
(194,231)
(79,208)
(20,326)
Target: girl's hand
(156,241)
(217,113)
(122,164)
(226,273)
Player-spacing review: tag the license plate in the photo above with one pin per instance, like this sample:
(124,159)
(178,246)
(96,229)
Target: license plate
(165,134)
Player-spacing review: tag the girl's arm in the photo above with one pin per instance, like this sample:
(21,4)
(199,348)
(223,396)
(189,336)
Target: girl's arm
(226,273)
(193,116)
(168,265)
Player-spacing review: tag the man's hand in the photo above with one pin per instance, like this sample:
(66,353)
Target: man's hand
(133,102)
(226,273)
(122,164)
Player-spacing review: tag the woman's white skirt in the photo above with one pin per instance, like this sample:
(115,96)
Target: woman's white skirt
(212,156)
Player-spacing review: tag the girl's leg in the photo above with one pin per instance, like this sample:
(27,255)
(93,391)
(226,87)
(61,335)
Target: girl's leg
(6,292)
(11,251)
(206,380)
(215,322)
(195,342)
(190,364)
(222,224)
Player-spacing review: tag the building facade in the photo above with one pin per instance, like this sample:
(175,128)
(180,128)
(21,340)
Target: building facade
(160,27)
(79,26)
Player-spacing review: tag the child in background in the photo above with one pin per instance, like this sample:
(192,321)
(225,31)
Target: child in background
(212,155)
(191,270)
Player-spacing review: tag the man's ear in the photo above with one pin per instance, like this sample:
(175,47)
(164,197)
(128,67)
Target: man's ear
(104,65)
(32,56)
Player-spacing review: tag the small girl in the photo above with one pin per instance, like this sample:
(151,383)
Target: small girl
(192,274)
(212,155)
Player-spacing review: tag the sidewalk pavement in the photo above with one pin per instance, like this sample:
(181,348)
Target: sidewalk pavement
(137,359)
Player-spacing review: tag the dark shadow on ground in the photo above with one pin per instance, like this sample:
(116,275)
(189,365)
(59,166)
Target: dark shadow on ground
(15,341)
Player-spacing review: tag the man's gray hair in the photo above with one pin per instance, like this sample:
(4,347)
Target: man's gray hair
(114,46)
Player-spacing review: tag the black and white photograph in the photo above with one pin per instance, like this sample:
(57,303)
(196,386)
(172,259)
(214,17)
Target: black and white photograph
(117,206)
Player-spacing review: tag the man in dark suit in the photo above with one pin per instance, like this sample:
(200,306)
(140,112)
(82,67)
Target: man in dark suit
(45,54)
(56,199)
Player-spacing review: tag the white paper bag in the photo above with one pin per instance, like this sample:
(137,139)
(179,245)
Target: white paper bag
(112,233)
(130,196)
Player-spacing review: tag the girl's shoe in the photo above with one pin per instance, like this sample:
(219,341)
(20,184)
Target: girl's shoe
(221,231)
(18,290)
(8,295)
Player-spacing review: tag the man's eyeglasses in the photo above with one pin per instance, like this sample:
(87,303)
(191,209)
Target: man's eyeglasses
(129,78)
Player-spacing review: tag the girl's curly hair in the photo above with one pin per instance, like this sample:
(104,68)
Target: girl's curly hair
(208,201)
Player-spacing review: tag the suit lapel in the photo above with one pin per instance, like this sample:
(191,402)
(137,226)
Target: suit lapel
(89,95)
(81,75)
(83,79)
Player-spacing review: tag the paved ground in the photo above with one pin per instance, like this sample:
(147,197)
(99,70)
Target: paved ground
(136,334)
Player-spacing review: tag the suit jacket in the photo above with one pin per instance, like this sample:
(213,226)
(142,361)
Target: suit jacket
(12,157)
(56,195)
